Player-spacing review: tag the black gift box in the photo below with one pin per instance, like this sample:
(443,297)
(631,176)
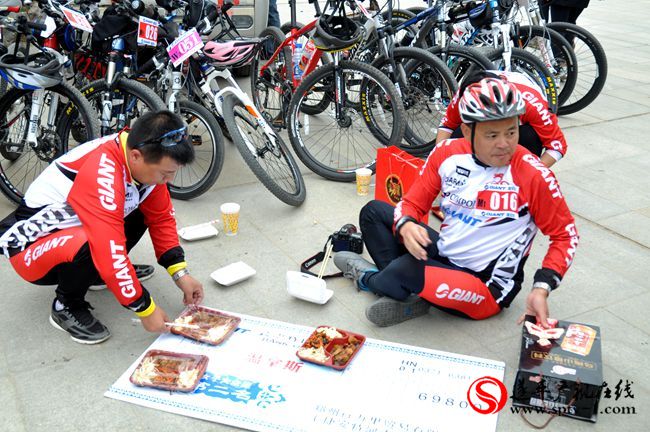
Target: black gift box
(562,376)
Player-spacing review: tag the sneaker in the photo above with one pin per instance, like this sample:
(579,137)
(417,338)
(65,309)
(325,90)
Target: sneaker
(82,326)
(142,272)
(354,266)
(387,311)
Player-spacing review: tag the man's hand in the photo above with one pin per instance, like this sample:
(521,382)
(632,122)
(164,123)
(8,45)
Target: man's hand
(192,290)
(537,305)
(155,322)
(416,238)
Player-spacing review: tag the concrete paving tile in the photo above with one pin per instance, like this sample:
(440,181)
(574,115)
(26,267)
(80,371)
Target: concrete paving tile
(607,107)
(632,225)
(56,401)
(588,205)
(618,181)
(634,312)
(614,253)
(644,211)
(13,419)
(579,118)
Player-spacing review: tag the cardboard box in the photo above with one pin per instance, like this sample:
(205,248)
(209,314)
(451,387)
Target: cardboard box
(560,371)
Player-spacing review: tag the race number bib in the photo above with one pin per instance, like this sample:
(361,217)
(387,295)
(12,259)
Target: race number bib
(147,32)
(77,19)
(498,200)
(184,46)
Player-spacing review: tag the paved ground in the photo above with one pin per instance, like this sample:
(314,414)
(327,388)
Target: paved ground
(48,382)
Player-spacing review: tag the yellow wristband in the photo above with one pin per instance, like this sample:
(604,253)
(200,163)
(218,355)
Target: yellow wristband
(176,267)
(148,311)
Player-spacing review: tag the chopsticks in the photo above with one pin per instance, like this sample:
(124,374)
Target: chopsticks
(328,254)
(187,326)
(173,324)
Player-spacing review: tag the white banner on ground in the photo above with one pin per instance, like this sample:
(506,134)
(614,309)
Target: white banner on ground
(255,381)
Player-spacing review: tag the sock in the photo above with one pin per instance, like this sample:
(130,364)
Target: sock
(58,306)
(363,280)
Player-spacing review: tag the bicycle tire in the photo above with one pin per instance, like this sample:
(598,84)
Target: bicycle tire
(270,92)
(533,67)
(428,91)
(578,101)
(152,102)
(287,183)
(76,107)
(471,60)
(562,49)
(214,158)
(376,93)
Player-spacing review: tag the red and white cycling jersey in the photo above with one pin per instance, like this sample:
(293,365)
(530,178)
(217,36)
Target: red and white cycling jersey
(537,114)
(492,213)
(91,186)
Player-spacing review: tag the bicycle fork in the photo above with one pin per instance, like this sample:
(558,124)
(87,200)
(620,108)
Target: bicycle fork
(38,99)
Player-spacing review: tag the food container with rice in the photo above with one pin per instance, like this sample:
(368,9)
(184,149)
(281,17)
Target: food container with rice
(213,326)
(171,371)
(332,347)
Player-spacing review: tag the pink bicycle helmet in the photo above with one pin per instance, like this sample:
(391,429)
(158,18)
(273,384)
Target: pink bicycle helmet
(234,53)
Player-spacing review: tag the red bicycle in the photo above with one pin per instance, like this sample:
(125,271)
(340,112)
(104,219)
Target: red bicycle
(337,114)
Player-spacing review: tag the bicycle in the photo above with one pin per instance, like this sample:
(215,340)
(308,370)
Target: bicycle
(41,116)
(346,100)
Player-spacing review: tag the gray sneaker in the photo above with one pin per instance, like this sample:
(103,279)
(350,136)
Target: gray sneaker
(354,266)
(387,311)
(82,326)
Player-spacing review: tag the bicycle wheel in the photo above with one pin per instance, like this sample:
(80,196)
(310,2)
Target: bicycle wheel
(526,63)
(372,116)
(592,66)
(270,89)
(462,61)
(267,156)
(427,87)
(75,123)
(205,134)
(130,100)
(560,59)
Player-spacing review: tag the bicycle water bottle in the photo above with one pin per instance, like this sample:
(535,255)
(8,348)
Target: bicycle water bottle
(307,53)
(297,55)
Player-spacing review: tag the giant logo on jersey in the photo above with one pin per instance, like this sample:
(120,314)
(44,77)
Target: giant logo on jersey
(125,280)
(547,174)
(105,181)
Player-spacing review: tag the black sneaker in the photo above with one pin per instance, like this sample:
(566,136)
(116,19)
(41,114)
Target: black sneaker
(142,272)
(82,326)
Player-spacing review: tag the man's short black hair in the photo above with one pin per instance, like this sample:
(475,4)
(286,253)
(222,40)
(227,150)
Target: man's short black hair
(152,125)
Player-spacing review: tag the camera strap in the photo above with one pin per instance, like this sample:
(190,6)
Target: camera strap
(319,257)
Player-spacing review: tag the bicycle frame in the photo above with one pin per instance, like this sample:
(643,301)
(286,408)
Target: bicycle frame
(290,42)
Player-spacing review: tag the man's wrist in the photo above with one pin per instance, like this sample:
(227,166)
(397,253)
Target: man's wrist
(180,273)
(403,221)
(542,286)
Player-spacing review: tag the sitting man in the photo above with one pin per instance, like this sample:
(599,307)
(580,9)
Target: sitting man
(538,126)
(85,212)
(495,195)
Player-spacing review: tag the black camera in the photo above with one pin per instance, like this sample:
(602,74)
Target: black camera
(347,239)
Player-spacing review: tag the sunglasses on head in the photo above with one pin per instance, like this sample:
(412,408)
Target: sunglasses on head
(169,139)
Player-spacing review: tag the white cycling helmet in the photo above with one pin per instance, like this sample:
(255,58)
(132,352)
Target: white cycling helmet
(490,99)
(42,70)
